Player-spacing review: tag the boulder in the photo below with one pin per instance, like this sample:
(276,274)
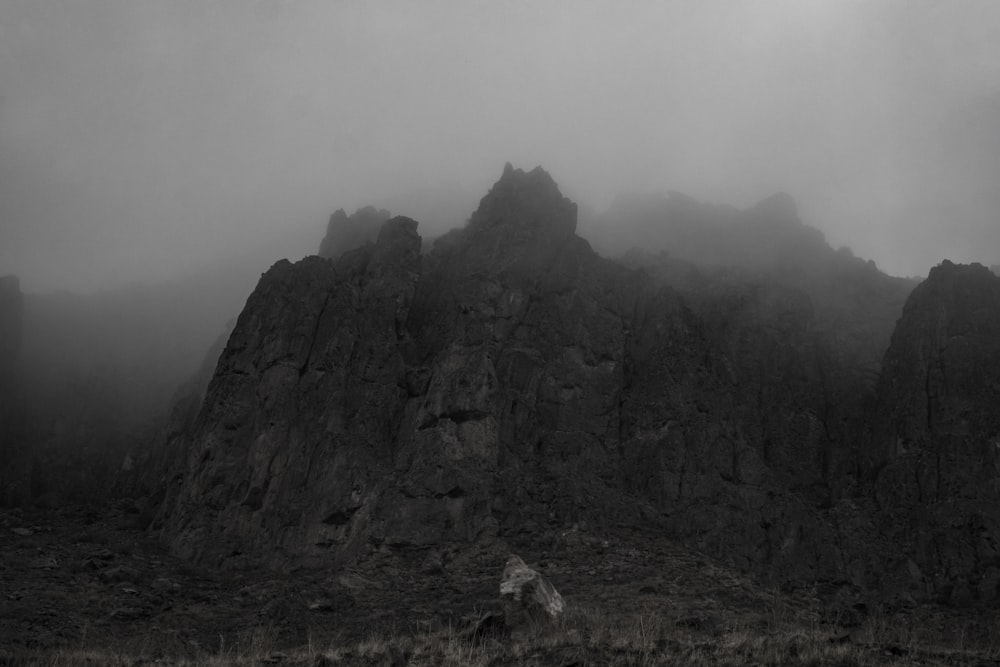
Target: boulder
(526,597)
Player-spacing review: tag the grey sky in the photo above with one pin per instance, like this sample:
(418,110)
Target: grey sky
(140,138)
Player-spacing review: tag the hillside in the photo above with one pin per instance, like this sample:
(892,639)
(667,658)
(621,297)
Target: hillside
(512,384)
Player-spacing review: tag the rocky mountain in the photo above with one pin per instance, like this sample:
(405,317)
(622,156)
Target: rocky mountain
(698,248)
(768,236)
(512,384)
(346,232)
(935,456)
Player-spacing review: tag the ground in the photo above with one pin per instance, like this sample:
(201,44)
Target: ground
(86,585)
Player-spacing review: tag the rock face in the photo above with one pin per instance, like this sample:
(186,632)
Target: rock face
(512,383)
(526,597)
(347,232)
(298,425)
(935,458)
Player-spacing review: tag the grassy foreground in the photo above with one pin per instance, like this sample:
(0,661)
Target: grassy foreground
(583,637)
(84,586)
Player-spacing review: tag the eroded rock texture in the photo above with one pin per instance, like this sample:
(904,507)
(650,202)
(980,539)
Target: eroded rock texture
(936,449)
(512,383)
(298,425)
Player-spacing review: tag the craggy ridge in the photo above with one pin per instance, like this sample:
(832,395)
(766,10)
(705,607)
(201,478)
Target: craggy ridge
(512,384)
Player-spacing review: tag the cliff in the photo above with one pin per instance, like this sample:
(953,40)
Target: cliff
(510,383)
(935,455)
(513,385)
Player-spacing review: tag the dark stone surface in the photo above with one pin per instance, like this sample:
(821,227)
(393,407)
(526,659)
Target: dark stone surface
(511,383)
(935,459)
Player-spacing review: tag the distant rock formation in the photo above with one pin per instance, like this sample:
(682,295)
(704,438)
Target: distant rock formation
(769,236)
(511,383)
(314,365)
(704,250)
(344,233)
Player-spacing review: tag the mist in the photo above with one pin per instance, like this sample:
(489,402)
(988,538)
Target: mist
(650,295)
(142,141)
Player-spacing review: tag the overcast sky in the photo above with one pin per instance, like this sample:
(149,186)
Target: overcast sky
(142,138)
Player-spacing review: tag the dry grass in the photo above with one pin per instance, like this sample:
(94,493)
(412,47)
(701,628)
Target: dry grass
(585,636)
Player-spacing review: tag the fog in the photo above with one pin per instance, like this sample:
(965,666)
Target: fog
(142,140)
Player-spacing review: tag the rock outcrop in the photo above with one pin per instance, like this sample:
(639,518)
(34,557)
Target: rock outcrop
(527,598)
(699,249)
(299,422)
(347,232)
(769,236)
(935,455)
(511,383)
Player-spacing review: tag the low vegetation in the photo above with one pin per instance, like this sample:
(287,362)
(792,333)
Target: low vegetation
(585,636)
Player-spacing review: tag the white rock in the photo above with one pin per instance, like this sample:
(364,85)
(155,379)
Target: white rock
(526,597)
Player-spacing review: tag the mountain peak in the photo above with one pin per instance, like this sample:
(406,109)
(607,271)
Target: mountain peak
(951,322)
(527,202)
(347,232)
(949,271)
